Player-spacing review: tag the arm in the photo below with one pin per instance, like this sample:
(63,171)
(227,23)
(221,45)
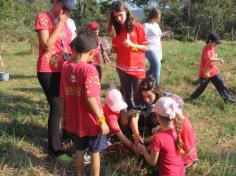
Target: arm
(167,33)
(134,127)
(134,46)
(150,158)
(47,41)
(216,60)
(96,110)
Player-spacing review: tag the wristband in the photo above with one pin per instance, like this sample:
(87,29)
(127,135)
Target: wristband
(101,119)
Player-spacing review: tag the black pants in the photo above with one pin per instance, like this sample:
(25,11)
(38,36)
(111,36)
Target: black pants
(50,83)
(217,82)
(129,85)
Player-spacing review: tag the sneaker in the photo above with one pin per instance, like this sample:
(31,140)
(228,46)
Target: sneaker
(64,158)
(87,158)
(230,100)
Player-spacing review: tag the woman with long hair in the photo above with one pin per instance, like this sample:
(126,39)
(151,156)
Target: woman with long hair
(129,43)
(154,35)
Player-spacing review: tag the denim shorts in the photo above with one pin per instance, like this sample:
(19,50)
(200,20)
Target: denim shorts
(93,144)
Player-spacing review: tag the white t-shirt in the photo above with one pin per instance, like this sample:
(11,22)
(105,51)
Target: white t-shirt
(154,34)
(72,27)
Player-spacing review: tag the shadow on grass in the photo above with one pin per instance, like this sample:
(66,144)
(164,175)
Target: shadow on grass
(35,89)
(23,76)
(13,105)
(22,161)
(34,134)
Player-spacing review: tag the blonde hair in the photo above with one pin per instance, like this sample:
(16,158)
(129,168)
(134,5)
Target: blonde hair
(178,122)
(178,126)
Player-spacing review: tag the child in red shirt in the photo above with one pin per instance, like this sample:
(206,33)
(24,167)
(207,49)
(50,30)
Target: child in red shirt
(114,104)
(100,49)
(165,146)
(209,71)
(80,101)
(129,42)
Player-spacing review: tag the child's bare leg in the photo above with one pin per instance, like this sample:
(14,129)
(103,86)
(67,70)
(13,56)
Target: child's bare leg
(95,159)
(79,162)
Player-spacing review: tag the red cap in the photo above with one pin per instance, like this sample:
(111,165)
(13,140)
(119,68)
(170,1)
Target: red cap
(94,25)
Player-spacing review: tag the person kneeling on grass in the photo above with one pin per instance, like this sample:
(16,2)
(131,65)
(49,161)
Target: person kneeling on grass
(112,112)
(209,71)
(146,96)
(80,101)
(165,146)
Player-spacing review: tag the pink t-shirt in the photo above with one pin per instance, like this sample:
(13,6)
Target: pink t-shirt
(206,65)
(189,139)
(78,82)
(51,60)
(169,160)
(111,119)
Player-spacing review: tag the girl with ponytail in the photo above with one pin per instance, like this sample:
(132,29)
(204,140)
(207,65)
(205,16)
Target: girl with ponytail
(166,146)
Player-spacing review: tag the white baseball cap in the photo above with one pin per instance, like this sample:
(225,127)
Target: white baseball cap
(114,100)
(167,107)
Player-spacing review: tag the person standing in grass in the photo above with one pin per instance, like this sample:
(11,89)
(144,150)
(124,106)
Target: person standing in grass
(154,35)
(97,61)
(165,148)
(80,101)
(54,38)
(209,72)
(129,43)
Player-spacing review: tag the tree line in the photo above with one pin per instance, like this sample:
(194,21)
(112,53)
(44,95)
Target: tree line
(188,19)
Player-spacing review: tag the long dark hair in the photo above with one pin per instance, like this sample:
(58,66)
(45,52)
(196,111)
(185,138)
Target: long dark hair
(113,27)
(148,84)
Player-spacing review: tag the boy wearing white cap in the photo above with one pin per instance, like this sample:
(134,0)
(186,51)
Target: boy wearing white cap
(112,108)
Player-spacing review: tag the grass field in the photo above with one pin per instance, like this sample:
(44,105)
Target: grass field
(24,111)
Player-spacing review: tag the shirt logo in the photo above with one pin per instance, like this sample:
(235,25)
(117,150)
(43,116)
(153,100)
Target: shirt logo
(73,78)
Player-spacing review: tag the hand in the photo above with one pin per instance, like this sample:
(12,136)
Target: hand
(141,148)
(167,33)
(128,43)
(139,140)
(104,128)
(63,17)
(221,61)
(156,129)
(106,59)
(135,149)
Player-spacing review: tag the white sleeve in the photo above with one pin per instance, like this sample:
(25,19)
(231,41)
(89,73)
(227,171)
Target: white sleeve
(145,28)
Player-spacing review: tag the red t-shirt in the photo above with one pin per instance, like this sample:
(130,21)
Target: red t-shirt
(127,59)
(51,60)
(78,82)
(169,160)
(189,139)
(97,58)
(111,119)
(208,66)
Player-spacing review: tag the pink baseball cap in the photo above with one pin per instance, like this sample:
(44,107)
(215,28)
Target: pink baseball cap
(167,107)
(94,25)
(114,100)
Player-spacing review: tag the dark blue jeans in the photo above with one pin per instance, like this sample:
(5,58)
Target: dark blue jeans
(217,82)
